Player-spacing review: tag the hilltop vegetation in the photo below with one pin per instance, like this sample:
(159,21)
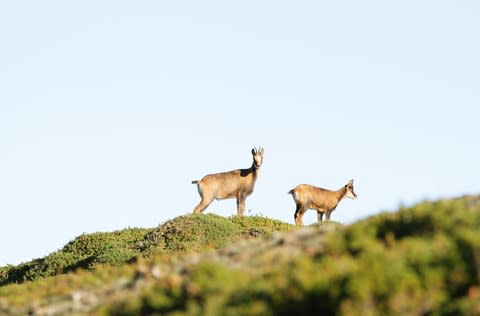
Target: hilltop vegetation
(422,260)
(192,233)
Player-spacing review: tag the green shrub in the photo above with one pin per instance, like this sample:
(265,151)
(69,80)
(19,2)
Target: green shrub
(84,252)
(190,232)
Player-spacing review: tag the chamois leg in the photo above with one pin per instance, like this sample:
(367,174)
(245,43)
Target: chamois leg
(204,203)
(319,216)
(205,200)
(327,216)
(241,205)
(299,214)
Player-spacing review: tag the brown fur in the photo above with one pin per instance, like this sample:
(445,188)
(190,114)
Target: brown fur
(322,200)
(237,184)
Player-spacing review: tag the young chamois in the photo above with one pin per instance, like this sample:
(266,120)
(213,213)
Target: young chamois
(232,184)
(322,200)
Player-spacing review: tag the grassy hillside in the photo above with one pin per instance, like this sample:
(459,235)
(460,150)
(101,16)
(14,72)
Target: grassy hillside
(192,232)
(423,260)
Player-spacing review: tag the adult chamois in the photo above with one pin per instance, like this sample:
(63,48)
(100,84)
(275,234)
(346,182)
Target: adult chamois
(322,200)
(237,184)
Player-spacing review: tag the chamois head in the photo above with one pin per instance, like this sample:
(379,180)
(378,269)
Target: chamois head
(350,192)
(257,157)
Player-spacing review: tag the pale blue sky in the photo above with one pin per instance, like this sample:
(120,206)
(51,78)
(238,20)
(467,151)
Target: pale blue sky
(108,109)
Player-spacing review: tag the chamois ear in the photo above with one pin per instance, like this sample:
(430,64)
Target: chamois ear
(254,151)
(350,182)
(261,150)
